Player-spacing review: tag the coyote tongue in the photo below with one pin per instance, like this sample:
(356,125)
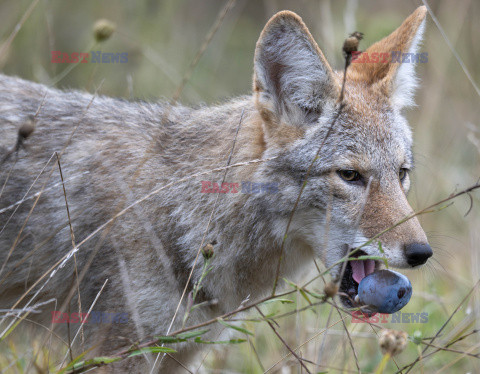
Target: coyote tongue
(362,268)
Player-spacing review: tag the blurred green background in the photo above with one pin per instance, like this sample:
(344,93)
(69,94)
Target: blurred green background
(162,38)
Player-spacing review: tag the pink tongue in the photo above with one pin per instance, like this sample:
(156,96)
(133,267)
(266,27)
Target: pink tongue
(362,268)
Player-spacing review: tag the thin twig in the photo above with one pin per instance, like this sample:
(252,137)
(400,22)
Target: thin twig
(341,105)
(17,27)
(283,341)
(410,366)
(202,49)
(205,232)
(452,48)
(306,342)
(67,143)
(349,337)
(476,355)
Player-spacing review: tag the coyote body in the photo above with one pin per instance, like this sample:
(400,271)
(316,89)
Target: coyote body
(113,153)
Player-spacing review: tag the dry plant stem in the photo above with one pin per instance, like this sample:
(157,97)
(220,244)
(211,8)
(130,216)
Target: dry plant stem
(349,337)
(72,235)
(324,339)
(125,352)
(208,224)
(279,316)
(454,312)
(80,278)
(476,355)
(458,358)
(82,275)
(123,211)
(34,358)
(178,362)
(13,166)
(357,223)
(282,248)
(70,353)
(442,348)
(452,48)
(68,70)
(68,344)
(410,366)
(348,60)
(7,178)
(35,203)
(300,361)
(18,26)
(187,75)
(44,185)
(306,342)
(208,352)
(341,105)
(462,337)
(204,234)
(255,353)
(202,49)
(244,308)
(88,312)
(428,209)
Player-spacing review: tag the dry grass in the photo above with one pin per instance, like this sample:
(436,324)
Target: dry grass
(162,39)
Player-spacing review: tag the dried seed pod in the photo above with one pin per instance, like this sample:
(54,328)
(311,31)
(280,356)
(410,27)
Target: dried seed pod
(392,342)
(27,128)
(351,43)
(207,251)
(103,29)
(330,289)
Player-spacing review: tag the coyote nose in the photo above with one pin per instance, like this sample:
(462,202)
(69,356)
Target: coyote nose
(417,254)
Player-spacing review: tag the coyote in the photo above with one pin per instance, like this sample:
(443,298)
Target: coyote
(113,153)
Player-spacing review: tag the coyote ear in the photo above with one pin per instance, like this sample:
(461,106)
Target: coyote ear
(292,79)
(395,73)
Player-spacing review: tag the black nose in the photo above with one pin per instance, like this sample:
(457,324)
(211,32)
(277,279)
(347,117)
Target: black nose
(418,254)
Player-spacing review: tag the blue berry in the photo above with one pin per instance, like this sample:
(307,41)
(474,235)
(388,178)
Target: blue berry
(385,290)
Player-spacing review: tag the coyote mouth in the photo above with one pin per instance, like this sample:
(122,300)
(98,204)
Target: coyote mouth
(355,271)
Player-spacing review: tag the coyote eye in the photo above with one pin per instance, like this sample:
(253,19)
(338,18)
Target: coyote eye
(349,175)
(402,174)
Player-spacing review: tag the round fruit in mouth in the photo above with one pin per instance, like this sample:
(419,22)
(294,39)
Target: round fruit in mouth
(386,291)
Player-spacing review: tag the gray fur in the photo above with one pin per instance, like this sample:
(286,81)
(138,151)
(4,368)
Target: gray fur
(148,252)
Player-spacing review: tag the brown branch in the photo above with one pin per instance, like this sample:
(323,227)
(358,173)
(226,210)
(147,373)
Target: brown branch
(341,105)
(283,341)
(410,366)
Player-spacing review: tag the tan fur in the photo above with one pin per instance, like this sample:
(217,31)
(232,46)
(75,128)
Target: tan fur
(147,254)
(399,40)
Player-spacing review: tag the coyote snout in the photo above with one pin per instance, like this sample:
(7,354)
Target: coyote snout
(405,243)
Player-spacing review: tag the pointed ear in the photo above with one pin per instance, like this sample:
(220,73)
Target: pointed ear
(292,79)
(395,70)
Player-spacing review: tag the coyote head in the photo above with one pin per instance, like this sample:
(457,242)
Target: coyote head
(358,185)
